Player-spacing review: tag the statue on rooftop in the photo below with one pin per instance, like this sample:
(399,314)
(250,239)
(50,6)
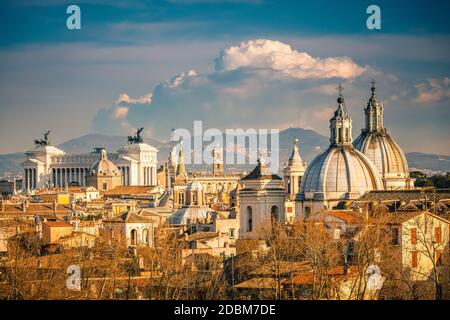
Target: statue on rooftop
(43,142)
(137,138)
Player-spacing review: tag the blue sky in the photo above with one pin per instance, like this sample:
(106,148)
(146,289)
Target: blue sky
(163,64)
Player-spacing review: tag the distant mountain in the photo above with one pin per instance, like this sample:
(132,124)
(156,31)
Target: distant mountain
(425,161)
(88,142)
(311,144)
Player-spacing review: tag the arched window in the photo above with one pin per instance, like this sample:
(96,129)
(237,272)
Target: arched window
(274,214)
(105,185)
(146,237)
(134,237)
(249,219)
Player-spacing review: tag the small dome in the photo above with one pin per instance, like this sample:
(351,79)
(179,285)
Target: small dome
(384,152)
(103,166)
(341,172)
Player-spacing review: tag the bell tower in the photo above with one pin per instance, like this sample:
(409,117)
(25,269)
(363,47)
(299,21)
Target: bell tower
(217,162)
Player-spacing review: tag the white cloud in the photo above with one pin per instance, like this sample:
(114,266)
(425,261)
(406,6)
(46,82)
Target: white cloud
(433,90)
(249,88)
(179,79)
(276,55)
(125,98)
(121,112)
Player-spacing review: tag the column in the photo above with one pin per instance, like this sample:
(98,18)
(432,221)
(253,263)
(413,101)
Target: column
(25,180)
(34,178)
(31,179)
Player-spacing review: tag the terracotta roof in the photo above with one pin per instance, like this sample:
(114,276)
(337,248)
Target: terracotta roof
(131,217)
(404,195)
(202,235)
(306,278)
(258,283)
(128,190)
(57,224)
(35,208)
(285,267)
(346,216)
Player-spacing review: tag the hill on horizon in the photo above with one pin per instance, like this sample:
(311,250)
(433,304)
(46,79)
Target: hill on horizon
(311,144)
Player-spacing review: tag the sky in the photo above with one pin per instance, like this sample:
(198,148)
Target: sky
(233,64)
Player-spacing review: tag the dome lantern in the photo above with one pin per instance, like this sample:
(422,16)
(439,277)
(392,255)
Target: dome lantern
(341,123)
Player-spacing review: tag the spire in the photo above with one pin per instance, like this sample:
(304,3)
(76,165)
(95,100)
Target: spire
(341,123)
(373,112)
(295,155)
(181,169)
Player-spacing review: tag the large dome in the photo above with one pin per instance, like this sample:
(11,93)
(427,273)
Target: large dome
(384,152)
(341,172)
(380,148)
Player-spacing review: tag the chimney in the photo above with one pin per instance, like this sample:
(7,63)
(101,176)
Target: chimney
(55,206)
(24,206)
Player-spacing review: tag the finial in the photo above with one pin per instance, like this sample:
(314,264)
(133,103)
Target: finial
(296,141)
(340,88)
(373,85)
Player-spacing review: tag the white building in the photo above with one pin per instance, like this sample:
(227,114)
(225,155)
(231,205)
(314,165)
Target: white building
(261,201)
(47,165)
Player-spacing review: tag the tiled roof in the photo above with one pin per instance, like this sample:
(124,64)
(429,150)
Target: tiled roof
(336,273)
(202,235)
(404,195)
(58,224)
(285,267)
(131,217)
(128,190)
(35,208)
(346,216)
(258,283)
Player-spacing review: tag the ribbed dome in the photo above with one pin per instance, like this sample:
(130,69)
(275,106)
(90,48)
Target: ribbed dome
(380,148)
(103,166)
(341,172)
(384,152)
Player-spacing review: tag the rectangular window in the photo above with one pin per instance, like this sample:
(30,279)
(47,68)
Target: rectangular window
(231,233)
(414,259)
(438,234)
(413,236)
(395,236)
